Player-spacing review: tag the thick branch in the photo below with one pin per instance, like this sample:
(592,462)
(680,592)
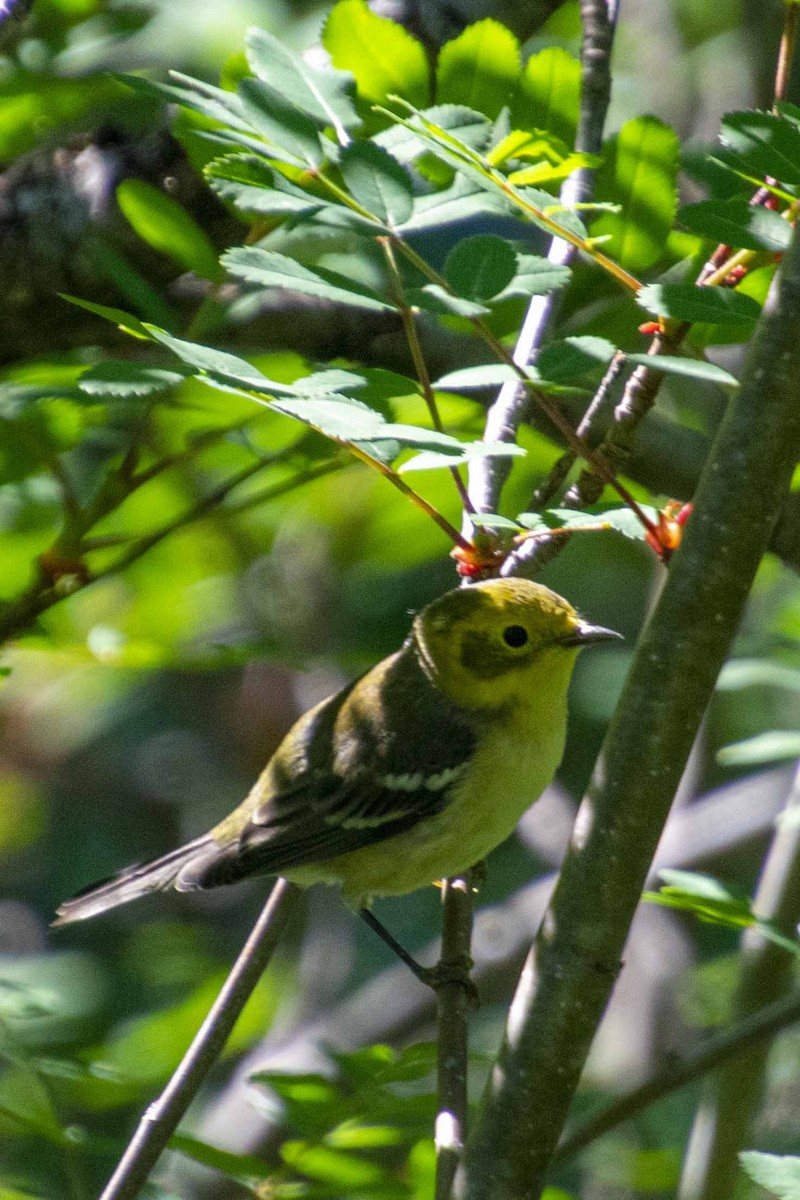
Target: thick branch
(576,958)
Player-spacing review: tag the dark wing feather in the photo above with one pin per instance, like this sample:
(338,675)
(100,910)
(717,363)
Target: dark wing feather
(366,765)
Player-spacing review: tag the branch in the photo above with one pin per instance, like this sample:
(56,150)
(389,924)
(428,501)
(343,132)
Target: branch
(722,1124)
(745,1036)
(452,1011)
(162,1117)
(576,958)
(487,476)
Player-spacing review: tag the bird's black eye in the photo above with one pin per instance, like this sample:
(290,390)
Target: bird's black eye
(515,636)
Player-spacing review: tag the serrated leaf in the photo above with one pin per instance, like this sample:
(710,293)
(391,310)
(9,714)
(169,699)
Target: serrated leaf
(469,126)
(639,173)
(774,746)
(548,96)
(122,378)
(621,520)
(292,136)
(688,302)
(163,224)
(383,57)
(436,299)
(764,143)
(254,186)
(737,223)
(536,277)
(462,201)
(547,172)
(479,67)
(479,267)
(378,182)
(269,269)
(694,368)
(776,1173)
(322,95)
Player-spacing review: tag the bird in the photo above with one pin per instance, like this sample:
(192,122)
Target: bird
(412,773)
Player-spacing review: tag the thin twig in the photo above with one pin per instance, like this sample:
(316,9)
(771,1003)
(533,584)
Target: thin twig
(717,1051)
(162,1117)
(453,1009)
(723,1122)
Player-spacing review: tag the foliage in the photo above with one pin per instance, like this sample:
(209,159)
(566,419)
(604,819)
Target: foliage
(191,496)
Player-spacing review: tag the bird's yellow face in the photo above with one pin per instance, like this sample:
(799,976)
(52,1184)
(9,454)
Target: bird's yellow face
(486,646)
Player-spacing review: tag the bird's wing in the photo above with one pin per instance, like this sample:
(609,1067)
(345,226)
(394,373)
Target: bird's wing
(341,783)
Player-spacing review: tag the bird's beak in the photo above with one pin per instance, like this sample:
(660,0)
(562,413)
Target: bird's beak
(584,634)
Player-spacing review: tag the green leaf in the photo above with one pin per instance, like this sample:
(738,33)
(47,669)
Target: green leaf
(536,277)
(765,144)
(714,903)
(118,316)
(285,128)
(777,1173)
(254,186)
(466,379)
(639,174)
(694,368)
(436,299)
(480,267)
(774,746)
(383,57)
(688,302)
(332,1167)
(621,520)
(573,357)
(479,67)
(163,224)
(460,202)
(206,358)
(269,269)
(123,378)
(548,96)
(322,95)
(432,460)
(468,126)
(201,97)
(378,182)
(737,223)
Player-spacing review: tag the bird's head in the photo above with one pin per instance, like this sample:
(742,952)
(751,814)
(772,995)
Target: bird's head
(488,645)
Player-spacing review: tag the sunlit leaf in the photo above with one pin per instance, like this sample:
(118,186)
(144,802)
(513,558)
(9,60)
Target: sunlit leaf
(478,67)
(548,96)
(124,378)
(274,116)
(639,173)
(693,368)
(773,746)
(383,57)
(776,1173)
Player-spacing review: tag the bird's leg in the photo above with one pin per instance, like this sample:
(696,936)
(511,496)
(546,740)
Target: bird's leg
(433,977)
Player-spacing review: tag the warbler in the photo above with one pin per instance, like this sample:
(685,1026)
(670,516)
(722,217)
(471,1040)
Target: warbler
(410,774)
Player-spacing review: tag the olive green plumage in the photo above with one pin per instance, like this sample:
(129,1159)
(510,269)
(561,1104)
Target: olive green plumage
(412,773)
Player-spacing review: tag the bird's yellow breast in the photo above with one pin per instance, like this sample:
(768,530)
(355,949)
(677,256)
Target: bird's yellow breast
(516,759)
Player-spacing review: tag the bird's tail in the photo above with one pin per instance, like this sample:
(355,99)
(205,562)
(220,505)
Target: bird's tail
(156,876)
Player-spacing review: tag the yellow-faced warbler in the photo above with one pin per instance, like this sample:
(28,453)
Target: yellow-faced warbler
(412,773)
